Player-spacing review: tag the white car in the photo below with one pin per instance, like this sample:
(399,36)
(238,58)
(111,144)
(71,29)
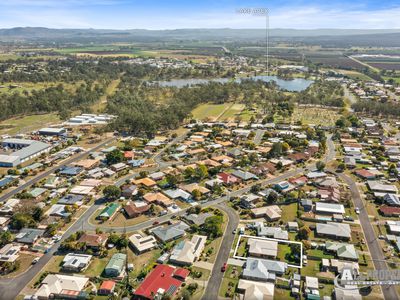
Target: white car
(357,210)
(35,260)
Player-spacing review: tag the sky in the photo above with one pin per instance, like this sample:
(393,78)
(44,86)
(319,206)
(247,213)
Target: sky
(172,14)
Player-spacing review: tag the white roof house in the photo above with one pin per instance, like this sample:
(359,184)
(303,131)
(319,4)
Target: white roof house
(263,269)
(262,248)
(329,208)
(334,230)
(142,243)
(76,262)
(256,290)
(186,252)
(58,284)
(9,253)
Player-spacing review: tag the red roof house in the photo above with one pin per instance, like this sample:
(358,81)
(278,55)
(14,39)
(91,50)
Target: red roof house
(228,178)
(129,154)
(365,174)
(164,279)
(106,288)
(389,211)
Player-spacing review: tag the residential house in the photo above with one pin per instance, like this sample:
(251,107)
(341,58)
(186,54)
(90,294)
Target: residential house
(195,186)
(133,210)
(170,232)
(116,266)
(197,219)
(342,250)
(71,199)
(263,269)
(228,179)
(329,208)
(148,182)
(337,231)
(74,262)
(380,189)
(57,286)
(29,235)
(141,243)
(244,175)
(187,252)
(129,191)
(109,211)
(389,211)
(253,290)
(163,279)
(106,288)
(262,248)
(93,241)
(249,200)
(178,194)
(271,213)
(9,253)
(391,199)
(158,198)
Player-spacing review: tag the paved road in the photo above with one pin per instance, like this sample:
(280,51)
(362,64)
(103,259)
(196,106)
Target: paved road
(389,292)
(258,136)
(215,280)
(46,173)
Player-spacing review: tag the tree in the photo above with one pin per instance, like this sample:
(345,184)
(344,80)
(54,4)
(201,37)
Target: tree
(113,238)
(272,197)
(114,157)
(213,226)
(21,220)
(320,165)
(276,150)
(189,173)
(37,213)
(143,174)
(196,194)
(171,179)
(201,172)
(304,233)
(5,238)
(112,192)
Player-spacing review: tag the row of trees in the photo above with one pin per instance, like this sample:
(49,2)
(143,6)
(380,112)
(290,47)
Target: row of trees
(51,99)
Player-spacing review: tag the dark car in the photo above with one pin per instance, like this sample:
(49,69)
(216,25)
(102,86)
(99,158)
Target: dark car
(223,268)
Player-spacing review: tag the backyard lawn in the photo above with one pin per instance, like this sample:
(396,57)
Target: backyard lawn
(289,212)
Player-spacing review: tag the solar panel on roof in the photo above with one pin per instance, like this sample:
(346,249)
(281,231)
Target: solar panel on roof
(171,290)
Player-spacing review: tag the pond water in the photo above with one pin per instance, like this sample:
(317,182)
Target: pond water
(292,85)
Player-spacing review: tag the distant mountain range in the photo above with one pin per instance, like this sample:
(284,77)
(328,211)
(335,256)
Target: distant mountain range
(223,34)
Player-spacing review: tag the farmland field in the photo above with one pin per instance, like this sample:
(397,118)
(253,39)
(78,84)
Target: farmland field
(336,61)
(354,75)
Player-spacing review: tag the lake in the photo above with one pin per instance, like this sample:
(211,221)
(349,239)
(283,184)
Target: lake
(292,85)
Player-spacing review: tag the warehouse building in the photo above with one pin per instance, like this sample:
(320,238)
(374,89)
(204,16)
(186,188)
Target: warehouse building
(52,131)
(26,150)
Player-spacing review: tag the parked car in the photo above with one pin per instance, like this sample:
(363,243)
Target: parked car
(223,268)
(35,260)
(156,223)
(357,210)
